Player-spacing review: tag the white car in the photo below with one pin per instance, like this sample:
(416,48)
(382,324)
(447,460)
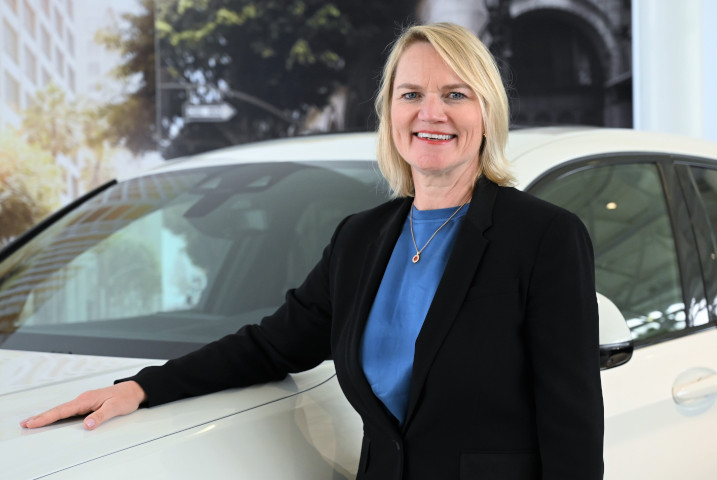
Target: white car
(153,266)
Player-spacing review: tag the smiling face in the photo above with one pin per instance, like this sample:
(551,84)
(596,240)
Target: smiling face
(436,119)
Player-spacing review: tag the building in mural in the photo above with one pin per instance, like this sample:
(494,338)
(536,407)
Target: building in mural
(39,47)
(564,61)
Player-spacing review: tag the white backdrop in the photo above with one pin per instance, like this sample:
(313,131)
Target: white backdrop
(675,66)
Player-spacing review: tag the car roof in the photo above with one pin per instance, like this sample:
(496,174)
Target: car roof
(328,146)
(535,151)
(531,150)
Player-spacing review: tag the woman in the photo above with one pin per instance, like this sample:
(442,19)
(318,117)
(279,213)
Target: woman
(461,315)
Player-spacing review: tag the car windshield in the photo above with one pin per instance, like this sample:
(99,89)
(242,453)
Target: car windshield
(156,266)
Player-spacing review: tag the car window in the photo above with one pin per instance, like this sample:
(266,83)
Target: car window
(160,264)
(705,183)
(623,207)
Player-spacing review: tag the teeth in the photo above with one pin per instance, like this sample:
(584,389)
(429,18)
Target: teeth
(433,136)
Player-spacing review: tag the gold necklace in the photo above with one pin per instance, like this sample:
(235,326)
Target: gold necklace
(417,256)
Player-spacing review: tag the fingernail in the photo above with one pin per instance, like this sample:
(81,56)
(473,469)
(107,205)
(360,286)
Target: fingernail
(90,422)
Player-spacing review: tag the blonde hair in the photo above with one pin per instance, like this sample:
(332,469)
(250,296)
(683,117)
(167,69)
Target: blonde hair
(473,63)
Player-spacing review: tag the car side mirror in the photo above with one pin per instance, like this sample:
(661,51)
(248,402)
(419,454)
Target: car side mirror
(615,338)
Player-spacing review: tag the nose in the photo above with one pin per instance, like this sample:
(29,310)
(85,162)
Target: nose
(432,109)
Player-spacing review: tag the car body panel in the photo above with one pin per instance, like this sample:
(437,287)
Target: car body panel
(38,380)
(647,435)
(310,435)
(23,371)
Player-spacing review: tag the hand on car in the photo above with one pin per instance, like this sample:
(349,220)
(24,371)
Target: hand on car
(104,403)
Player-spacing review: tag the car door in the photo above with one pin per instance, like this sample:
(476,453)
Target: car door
(651,261)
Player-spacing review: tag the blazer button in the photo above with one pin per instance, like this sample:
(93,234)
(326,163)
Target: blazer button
(398,445)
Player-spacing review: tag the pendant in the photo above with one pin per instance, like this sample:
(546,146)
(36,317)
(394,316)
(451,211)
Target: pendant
(416,258)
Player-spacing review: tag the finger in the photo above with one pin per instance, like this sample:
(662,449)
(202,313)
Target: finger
(69,409)
(101,415)
(91,422)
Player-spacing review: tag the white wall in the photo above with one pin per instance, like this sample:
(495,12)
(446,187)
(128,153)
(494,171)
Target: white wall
(675,66)
(709,59)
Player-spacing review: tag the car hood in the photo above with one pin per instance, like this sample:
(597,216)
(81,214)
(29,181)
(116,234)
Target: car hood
(32,382)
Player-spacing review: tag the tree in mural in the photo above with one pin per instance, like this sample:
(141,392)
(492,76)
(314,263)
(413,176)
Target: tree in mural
(30,179)
(49,122)
(24,200)
(59,126)
(96,131)
(273,61)
(133,117)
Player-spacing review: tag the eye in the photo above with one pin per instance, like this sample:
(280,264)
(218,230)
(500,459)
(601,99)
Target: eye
(456,95)
(409,96)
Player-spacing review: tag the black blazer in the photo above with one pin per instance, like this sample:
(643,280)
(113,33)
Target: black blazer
(506,381)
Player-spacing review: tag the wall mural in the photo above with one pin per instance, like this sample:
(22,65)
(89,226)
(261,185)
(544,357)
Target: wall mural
(90,90)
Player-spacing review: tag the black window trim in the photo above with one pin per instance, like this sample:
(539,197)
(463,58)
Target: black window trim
(691,272)
(684,168)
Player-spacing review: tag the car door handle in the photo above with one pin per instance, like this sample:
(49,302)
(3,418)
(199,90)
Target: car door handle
(695,387)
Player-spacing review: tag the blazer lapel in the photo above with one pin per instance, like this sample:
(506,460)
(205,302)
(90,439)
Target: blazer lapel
(380,248)
(447,301)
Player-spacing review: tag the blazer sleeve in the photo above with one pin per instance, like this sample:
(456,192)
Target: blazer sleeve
(563,341)
(295,338)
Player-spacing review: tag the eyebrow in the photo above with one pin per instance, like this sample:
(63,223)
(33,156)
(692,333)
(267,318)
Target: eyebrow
(453,86)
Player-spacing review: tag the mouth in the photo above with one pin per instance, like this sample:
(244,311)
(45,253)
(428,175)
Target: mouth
(434,137)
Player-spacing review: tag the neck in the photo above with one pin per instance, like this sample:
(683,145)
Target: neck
(432,197)
(434,190)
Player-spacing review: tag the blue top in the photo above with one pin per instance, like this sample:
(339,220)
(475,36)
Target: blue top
(401,305)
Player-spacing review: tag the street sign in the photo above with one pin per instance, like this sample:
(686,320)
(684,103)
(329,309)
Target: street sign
(213,112)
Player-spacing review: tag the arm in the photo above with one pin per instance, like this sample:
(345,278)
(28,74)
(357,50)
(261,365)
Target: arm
(563,342)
